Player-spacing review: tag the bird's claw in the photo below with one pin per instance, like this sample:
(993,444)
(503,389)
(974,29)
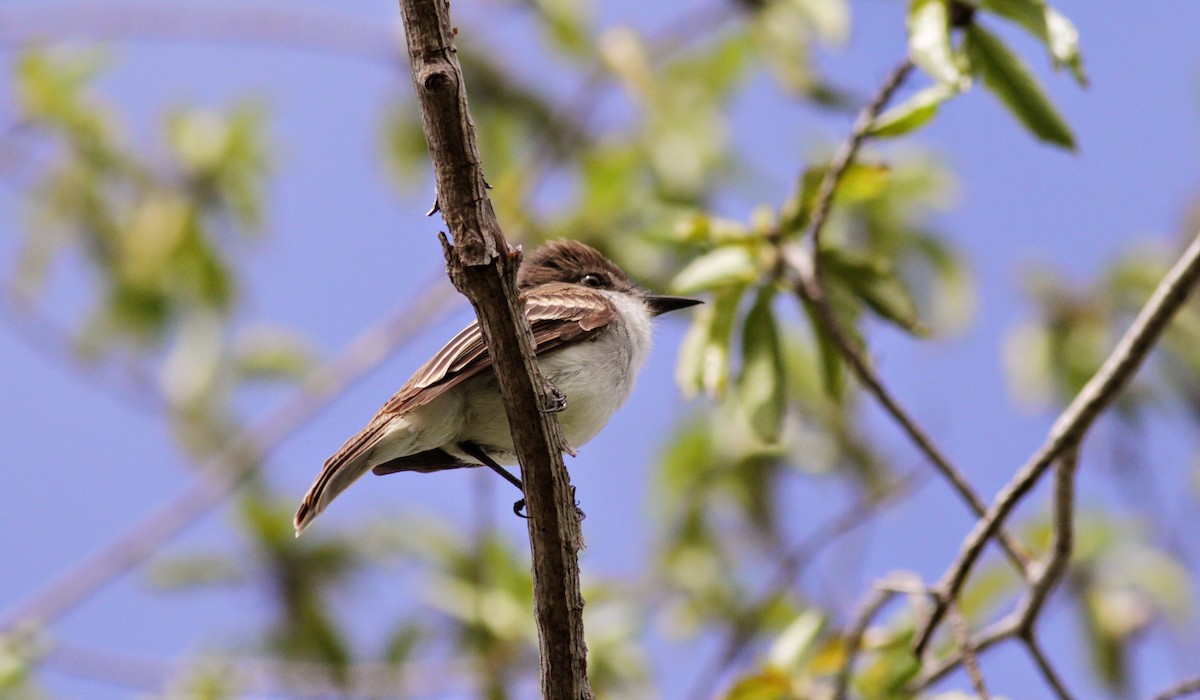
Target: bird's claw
(518,507)
(554,402)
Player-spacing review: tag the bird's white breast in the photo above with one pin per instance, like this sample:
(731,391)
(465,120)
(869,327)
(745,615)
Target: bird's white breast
(595,375)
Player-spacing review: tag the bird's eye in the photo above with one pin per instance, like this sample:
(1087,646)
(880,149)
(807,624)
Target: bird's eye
(592,280)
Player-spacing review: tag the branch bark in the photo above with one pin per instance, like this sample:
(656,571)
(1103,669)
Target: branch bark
(483,267)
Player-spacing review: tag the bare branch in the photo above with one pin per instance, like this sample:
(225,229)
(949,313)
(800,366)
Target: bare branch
(483,267)
(812,292)
(848,151)
(1020,622)
(810,288)
(1063,543)
(229,467)
(1005,629)
(876,599)
(1073,424)
(1048,672)
(962,637)
(1189,686)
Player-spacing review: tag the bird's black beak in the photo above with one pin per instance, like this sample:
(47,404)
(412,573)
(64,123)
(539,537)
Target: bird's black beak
(660,305)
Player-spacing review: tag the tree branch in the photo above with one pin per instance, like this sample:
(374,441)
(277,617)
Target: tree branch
(875,601)
(483,268)
(962,637)
(1180,689)
(809,286)
(1068,431)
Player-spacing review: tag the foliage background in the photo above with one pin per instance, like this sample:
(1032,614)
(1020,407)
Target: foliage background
(307,227)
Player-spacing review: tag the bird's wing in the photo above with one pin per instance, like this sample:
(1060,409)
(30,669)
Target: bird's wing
(558,314)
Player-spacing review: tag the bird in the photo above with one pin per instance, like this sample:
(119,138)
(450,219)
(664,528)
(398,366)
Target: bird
(592,333)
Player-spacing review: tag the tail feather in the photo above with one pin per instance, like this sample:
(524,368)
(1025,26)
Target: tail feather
(336,476)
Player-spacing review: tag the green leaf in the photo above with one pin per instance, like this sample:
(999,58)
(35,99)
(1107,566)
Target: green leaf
(874,283)
(913,113)
(704,354)
(760,388)
(929,42)
(860,182)
(766,685)
(1050,26)
(1007,77)
(272,353)
(798,641)
(723,267)
(833,369)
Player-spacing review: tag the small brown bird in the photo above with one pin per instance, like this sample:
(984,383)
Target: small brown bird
(591,326)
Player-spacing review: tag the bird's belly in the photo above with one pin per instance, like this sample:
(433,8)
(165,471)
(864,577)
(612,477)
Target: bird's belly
(594,377)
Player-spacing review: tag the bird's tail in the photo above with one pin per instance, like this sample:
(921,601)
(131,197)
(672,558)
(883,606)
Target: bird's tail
(335,477)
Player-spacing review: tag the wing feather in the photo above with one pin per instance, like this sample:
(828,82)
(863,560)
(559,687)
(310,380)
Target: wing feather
(558,314)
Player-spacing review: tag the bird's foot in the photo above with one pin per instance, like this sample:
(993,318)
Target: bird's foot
(553,401)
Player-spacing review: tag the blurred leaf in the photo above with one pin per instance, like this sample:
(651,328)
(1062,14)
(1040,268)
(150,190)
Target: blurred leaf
(272,353)
(761,385)
(872,281)
(1005,75)
(1050,26)
(989,587)
(833,368)
(861,182)
(929,43)
(403,642)
(723,267)
(768,684)
(704,229)
(564,23)
(915,112)
(890,670)
(704,353)
(798,641)
(1108,619)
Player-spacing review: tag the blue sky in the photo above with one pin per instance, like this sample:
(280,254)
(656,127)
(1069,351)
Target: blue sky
(343,250)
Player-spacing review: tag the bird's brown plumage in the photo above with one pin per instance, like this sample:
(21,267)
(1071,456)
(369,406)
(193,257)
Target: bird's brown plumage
(559,313)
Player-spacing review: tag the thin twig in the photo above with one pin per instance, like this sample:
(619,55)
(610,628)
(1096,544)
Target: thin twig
(962,637)
(230,466)
(1039,658)
(787,572)
(813,294)
(1068,431)
(848,151)
(1020,622)
(1005,629)
(809,286)
(876,599)
(1185,687)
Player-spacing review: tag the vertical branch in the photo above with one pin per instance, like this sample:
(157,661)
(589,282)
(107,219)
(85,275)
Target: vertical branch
(483,268)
